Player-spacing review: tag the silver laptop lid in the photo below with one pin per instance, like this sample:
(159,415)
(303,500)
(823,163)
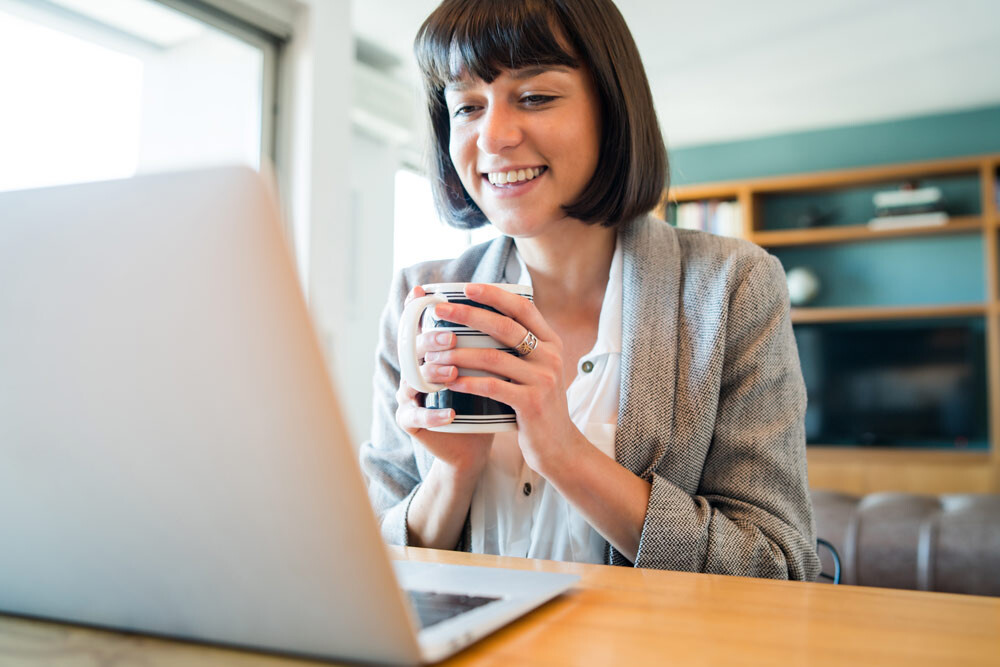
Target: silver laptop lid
(172,459)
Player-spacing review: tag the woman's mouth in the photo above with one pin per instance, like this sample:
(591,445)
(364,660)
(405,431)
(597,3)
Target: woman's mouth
(514,177)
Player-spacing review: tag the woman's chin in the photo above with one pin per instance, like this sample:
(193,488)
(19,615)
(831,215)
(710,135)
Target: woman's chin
(518,228)
(524,225)
(521,228)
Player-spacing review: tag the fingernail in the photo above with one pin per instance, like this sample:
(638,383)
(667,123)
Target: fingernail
(446,415)
(443,310)
(431,356)
(443,338)
(473,290)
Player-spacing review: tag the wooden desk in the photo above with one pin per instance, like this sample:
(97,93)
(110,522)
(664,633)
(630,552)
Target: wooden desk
(618,616)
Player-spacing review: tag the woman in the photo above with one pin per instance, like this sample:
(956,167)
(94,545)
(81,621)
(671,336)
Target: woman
(660,416)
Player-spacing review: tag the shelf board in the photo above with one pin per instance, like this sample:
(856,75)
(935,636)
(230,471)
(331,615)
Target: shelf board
(875,455)
(836,179)
(876,313)
(848,233)
(708,191)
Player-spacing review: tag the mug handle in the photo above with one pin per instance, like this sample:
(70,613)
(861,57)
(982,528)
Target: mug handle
(409,365)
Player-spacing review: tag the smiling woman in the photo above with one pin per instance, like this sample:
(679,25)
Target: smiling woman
(591,54)
(525,143)
(654,376)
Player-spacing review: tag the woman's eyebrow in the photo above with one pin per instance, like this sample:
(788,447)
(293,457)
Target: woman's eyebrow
(460,85)
(528,72)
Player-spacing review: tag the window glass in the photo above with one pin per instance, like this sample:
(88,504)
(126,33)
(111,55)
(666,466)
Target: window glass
(420,235)
(108,89)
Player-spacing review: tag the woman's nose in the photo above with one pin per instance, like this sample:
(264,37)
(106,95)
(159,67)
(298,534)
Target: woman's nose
(500,129)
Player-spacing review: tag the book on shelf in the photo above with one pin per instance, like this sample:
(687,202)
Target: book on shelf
(889,199)
(910,206)
(716,217)
(907,210)
(929,219)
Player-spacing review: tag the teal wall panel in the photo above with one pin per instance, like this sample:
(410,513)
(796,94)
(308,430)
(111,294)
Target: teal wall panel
(899,272)
(929,137)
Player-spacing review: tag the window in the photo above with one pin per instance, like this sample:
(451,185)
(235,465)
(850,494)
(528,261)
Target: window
(419,233)
(109,89)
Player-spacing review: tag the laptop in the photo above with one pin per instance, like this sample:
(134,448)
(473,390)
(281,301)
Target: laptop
(172,456)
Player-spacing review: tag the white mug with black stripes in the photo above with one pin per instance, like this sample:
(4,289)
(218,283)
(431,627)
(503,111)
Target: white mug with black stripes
(473,414)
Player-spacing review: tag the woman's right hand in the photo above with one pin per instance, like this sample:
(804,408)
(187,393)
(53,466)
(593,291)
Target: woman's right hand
(465,453)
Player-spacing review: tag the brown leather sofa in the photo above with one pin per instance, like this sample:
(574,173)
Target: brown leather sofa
(948,543)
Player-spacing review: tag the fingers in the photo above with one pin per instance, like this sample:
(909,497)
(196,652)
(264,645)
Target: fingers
(437,373)
(434,340)
(518,315)
(429,343)
(416,292)
(514,395)
(492,360)
(514,306)
(405,393)
(411,417)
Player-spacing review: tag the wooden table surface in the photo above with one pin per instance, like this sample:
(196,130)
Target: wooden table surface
(620,616)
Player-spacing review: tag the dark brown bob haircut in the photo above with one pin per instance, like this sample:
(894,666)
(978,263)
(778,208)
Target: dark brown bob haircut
(480,38)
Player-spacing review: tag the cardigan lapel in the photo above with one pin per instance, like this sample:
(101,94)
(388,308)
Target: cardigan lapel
(650,301)
(490,268)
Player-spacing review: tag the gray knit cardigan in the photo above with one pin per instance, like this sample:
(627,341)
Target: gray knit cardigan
(711,410)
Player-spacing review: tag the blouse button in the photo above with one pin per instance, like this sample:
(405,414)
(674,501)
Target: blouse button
(527,488)
(587,366)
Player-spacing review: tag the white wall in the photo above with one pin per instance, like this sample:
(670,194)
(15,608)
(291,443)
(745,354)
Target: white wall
(370,241)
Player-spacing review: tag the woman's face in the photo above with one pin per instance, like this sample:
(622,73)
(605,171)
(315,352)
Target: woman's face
(525,144)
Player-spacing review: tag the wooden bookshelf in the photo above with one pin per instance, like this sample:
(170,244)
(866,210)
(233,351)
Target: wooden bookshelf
(877,313)
(836,179)
(861,469)
(991,247)
(847,233)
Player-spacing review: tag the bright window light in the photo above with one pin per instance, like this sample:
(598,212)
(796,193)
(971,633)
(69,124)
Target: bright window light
(71,109)
(105,90)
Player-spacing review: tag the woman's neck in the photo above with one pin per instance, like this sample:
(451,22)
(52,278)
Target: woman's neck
(569,268)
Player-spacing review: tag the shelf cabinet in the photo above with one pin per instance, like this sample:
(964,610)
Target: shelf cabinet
(928,278)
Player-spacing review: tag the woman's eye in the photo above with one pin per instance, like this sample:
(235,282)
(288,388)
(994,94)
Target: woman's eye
(536,100)
(463,110)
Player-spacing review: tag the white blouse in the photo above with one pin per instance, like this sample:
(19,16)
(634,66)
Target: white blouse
(514,511)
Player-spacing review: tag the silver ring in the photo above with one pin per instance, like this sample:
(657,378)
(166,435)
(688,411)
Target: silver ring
(526,346)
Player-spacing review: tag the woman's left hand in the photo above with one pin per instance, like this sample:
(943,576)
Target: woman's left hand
(546,434)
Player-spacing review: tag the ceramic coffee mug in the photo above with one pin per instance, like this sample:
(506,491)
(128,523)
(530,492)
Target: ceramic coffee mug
(473,414)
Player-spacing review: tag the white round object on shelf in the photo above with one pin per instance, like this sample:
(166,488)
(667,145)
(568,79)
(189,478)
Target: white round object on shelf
(803,286)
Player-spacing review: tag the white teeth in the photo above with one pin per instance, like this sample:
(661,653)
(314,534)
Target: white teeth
(505,177)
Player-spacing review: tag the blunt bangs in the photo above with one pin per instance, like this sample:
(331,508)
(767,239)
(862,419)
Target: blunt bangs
(483,38)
